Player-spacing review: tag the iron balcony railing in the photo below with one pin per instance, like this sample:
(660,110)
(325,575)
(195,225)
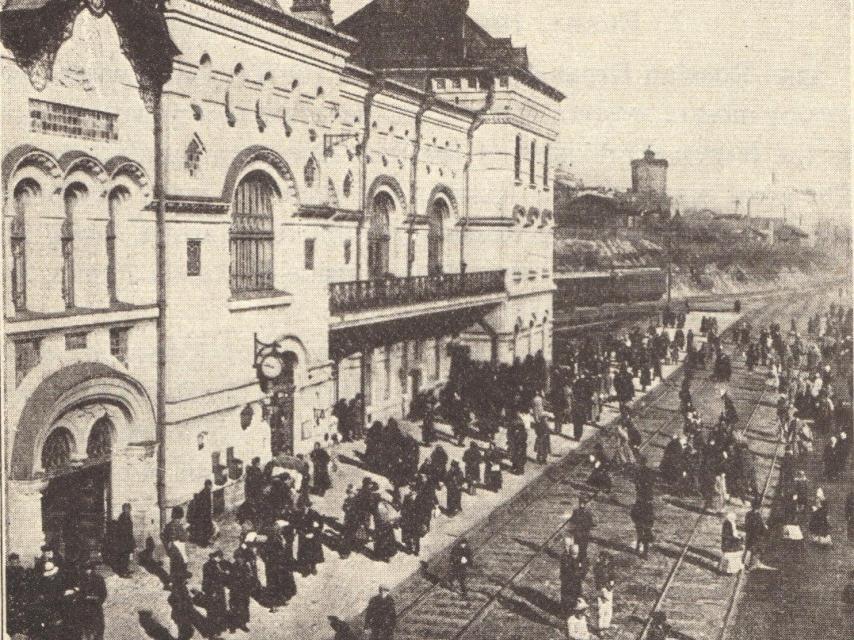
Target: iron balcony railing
(364,295)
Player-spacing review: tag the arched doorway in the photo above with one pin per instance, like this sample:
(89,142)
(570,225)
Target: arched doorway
(76,500)
(435,236)
(379,235)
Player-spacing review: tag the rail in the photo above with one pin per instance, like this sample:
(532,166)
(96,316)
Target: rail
(380,293)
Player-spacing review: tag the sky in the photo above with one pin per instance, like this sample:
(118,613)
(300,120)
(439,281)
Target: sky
(727,91)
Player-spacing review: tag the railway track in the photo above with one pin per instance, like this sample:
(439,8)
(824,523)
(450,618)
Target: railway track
(662,600)
(516,547)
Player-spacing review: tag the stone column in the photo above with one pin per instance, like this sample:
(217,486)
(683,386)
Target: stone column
(24,533)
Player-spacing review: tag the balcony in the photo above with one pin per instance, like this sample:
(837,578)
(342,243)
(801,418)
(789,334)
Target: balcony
(416,294)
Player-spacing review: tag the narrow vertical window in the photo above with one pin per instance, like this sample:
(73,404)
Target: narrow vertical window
(25,194)
(118,197)
(533,161)
(546,166)
(119,343)
(437,358)
(309,254)
(387,380)
(75,195)
(194,257)
(517,159)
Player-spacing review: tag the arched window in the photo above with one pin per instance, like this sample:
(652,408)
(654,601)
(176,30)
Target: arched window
(56,452)
(75,196)
(435,235)
(118,197)
(100,442)
(517,159)
(533,160)
(378,235)
(201,86)
(25,194)
(546,166)
(252,233)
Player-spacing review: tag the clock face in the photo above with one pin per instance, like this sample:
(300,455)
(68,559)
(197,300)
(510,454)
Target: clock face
(271,367)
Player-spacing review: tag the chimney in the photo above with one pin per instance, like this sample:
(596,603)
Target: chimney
(317,11)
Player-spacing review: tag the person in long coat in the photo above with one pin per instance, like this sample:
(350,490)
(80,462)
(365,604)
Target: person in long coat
(819,524)
(385,518)
(411,525)
(582,523)
(471,460)
(572,571)
(241,584)
(309,525)
(542,443)
(492,471)
(428,424)
(381,615)
(214,581)
(454,481)
(89,609)
(278,557)
(182,611)
(201,516)
(124,543)
(643,516)
(320,459)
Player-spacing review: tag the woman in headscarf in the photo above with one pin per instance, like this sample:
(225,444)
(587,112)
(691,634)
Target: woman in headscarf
(731,546)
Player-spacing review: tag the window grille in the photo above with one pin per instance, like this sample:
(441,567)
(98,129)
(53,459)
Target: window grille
(252,234)
(72,122)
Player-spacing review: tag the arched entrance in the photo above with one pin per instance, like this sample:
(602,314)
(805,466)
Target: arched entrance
(83,444)
(379,235)
(435,235)
(76,503)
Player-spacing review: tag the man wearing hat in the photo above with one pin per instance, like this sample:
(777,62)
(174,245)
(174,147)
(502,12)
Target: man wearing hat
(214,579)
(54,596)
(381,615)
(576,624)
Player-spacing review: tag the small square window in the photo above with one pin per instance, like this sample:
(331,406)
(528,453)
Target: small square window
(504,81)
(440,83)
(75,341)
(471,81)
(457,83)
(194,257)
(309,254)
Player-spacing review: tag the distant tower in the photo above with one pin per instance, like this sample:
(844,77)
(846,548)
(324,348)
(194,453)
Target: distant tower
(316,11)
(649,174)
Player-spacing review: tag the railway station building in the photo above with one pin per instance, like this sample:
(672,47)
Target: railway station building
(222,216)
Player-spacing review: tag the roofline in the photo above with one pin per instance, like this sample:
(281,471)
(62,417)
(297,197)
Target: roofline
(406,89)
(518,72)
(326,35)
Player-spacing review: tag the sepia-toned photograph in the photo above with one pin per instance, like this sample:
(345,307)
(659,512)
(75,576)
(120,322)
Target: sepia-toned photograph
(426,320)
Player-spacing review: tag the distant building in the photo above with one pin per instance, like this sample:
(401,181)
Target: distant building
(649,185)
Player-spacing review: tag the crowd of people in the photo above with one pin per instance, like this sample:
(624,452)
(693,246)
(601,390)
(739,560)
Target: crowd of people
(283,537)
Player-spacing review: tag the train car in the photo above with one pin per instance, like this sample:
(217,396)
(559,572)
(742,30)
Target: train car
(593,289)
